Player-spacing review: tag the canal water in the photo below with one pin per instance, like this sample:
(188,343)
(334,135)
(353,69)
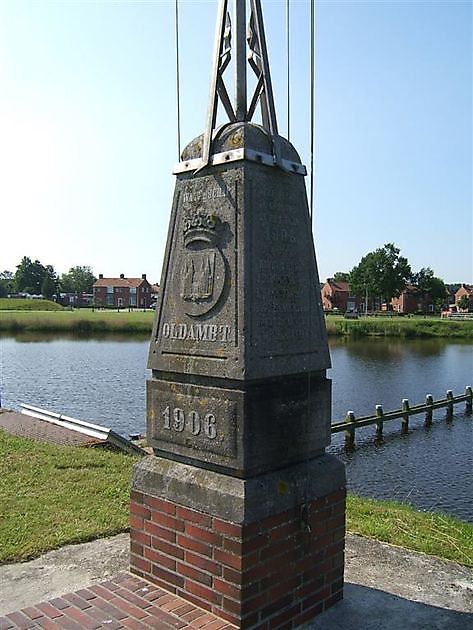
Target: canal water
(102,380)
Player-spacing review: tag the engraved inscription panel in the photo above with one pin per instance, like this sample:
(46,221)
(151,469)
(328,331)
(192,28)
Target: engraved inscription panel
(197,317)
(197,332)
(197,423)
(283,307)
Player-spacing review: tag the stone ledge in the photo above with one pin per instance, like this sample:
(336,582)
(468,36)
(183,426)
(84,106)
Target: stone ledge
(239,500)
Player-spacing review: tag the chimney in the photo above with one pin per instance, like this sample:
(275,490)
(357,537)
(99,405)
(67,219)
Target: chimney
(143,275)
(122,276)
(100,276)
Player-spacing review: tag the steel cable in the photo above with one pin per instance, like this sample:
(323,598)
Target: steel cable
(178,81)
(312,105)
(288,53)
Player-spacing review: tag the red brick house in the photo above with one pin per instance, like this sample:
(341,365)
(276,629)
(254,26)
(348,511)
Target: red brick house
(411,300)
(467,290)
(337,296)
(122,292)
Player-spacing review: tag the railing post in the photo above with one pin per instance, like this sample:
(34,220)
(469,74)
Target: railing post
(450,405)
(429,401)
(405,417)
(350,431)
(469,402)
(379,425)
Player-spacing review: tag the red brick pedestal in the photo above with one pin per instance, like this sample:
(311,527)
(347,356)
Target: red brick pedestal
(254,569)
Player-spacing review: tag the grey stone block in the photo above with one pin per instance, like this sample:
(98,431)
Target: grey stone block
(239,348)
(240,501)
(240,294)
(245,429)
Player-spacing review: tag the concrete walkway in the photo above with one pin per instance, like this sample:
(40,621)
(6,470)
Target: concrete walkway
(387,587)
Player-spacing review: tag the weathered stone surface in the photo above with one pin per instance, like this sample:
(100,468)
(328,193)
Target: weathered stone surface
(239,347)
(239,500)
(246,430)
(239,136)
(239,292)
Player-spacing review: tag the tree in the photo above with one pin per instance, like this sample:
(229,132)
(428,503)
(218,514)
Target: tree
(48,287)
(6,283)
(428,284)
(342,276)
(382,273)
(50,284)
(78,279)
(438,292)
(35,278)
(463,303)
(29,276)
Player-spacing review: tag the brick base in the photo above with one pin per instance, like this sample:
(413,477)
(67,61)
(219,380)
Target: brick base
(276,572)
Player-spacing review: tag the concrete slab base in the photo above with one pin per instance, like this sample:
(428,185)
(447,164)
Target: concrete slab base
(385,586)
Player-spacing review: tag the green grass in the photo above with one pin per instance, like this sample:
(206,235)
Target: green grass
(399,524)
(17,304)
(404,327)
(87,321)
(77,321)
(51,496)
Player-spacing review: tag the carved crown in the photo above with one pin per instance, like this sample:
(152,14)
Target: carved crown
(199,222)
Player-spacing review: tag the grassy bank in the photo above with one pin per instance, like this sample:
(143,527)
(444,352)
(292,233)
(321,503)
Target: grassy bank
(124,322)
(78,321)
(55,495)
(399,524)
(14,304)
(404,327)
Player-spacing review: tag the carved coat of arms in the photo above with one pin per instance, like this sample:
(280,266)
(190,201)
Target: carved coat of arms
(202,273)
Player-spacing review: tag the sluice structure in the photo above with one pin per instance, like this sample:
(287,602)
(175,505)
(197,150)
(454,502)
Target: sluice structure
(240,510)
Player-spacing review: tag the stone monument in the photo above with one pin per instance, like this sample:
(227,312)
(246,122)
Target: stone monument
(240,510)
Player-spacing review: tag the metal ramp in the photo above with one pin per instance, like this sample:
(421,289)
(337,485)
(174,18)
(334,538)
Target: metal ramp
(97,433)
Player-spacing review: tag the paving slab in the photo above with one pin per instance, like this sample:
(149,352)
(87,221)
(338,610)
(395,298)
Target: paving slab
(26,426)
(386,587)
(125,601)
(392,588)
(61,571)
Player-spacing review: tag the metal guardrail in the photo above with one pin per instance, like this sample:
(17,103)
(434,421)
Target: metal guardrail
(102,434)
(351,423)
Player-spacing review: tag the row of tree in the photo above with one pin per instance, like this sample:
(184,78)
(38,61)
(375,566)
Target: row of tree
(37,279)
(384,274)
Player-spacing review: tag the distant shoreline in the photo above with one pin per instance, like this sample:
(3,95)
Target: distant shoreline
(90,322)
(416,327)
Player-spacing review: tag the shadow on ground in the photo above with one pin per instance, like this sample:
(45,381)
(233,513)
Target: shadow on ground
(366,608)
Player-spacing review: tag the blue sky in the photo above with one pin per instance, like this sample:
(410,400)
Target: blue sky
(88,127)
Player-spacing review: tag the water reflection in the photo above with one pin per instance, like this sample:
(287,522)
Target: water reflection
(30,337)
(390,347)
(428,468)
(370,372)
(99,380)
